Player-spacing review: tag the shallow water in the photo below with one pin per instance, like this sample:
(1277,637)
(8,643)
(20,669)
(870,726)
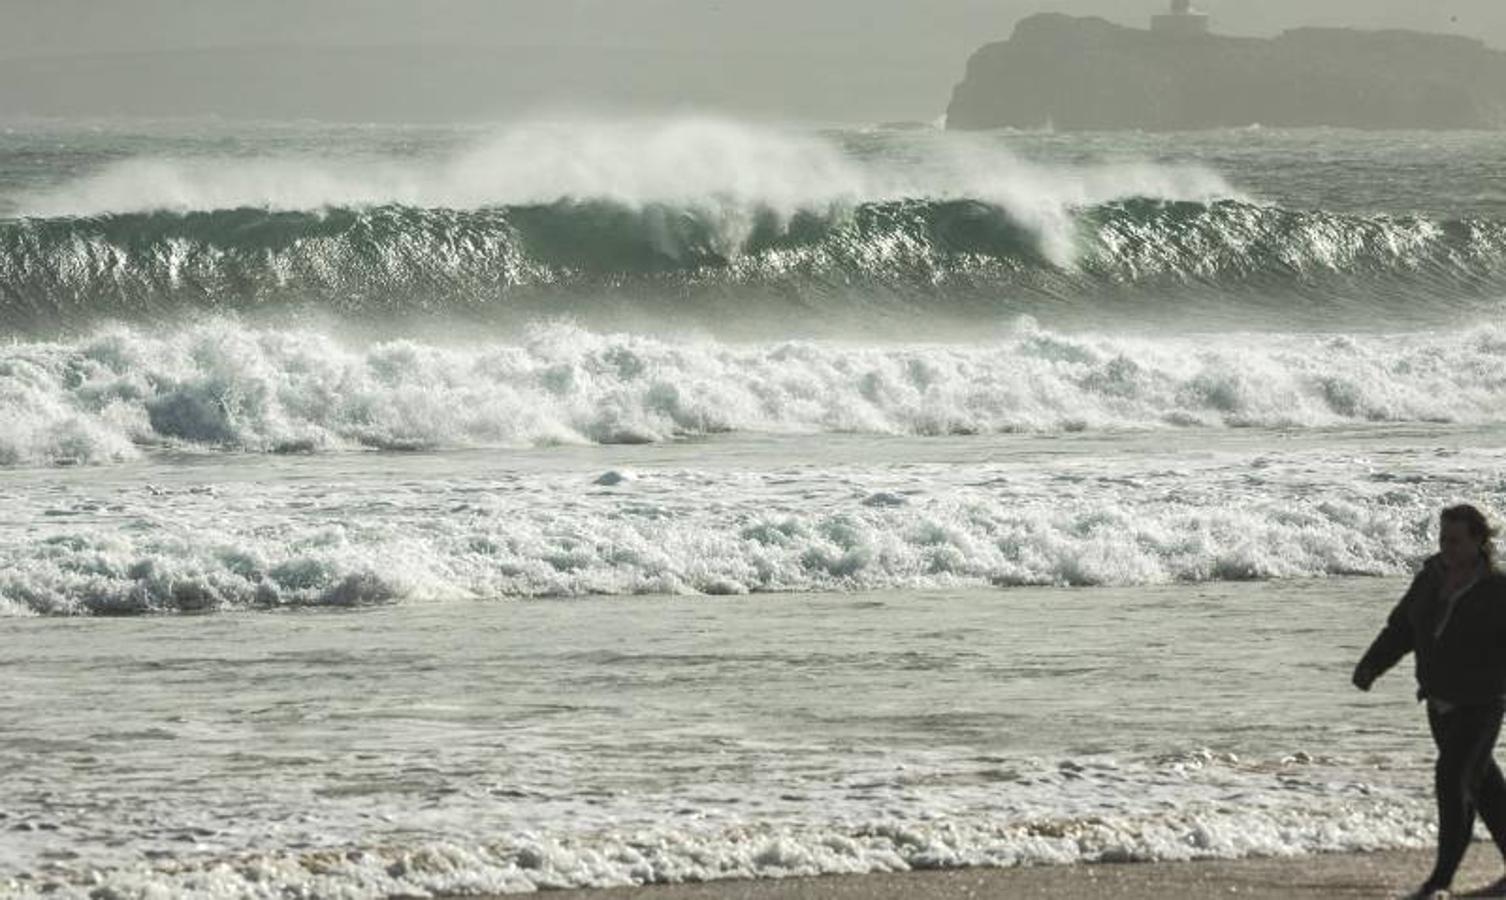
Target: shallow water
(591,741)
(371,707)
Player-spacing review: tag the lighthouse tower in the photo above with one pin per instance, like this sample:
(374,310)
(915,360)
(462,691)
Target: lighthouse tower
(1182,21)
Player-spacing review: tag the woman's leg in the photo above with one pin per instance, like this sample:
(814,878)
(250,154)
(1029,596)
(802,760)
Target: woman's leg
(1451,783)
(1490,801)
(1466,737)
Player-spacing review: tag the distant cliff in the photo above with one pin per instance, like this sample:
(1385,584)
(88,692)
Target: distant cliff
(1087,73)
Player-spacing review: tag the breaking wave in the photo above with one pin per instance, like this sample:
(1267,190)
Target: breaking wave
(704,222)
(540,862)
(223,385)
(486,530)
(676,163)
(918,256)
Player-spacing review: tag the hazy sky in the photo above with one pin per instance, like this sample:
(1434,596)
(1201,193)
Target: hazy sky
(901,27)
(807,51)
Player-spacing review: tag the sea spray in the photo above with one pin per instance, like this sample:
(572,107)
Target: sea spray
(681,162)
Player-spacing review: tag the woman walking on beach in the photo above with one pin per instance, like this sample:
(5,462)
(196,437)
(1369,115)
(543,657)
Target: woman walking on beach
(1453,617)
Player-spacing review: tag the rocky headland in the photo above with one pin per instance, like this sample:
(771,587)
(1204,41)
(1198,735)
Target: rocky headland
(1073,73)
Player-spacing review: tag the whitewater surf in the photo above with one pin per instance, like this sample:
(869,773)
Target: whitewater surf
(900,498)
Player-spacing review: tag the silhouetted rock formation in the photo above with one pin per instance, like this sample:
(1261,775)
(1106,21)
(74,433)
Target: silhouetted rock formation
(1087,73)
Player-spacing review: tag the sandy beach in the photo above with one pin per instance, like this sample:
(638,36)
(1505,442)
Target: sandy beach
(1385,874)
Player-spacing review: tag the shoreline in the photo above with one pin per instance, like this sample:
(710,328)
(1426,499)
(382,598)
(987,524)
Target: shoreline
(1385,873)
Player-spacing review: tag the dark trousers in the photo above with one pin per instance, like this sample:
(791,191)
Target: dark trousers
(1466,780)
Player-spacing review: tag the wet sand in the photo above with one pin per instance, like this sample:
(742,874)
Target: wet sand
(1385,874)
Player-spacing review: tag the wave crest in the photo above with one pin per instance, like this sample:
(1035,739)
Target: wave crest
(906,256)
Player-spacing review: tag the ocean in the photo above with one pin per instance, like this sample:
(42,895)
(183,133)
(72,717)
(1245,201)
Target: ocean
(399,510)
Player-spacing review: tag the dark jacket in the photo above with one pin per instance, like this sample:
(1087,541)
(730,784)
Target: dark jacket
(1467,662)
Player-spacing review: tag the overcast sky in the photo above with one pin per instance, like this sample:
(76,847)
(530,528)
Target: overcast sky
(799,50)
(889,27)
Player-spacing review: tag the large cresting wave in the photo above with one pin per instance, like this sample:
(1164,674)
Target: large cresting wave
(697,262)
(704,222)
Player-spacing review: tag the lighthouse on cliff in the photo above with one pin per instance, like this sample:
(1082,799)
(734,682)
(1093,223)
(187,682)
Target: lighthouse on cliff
(1182,21)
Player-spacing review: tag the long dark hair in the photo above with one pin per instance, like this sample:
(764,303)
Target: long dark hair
(1478,526)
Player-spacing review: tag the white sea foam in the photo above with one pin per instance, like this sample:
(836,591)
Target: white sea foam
(687,529)
(663,856)
(474,532)
(481,747)
(221,385)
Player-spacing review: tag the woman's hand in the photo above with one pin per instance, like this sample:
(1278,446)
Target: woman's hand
(1364,676)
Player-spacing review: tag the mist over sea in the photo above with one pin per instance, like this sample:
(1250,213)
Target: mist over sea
(583,502)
